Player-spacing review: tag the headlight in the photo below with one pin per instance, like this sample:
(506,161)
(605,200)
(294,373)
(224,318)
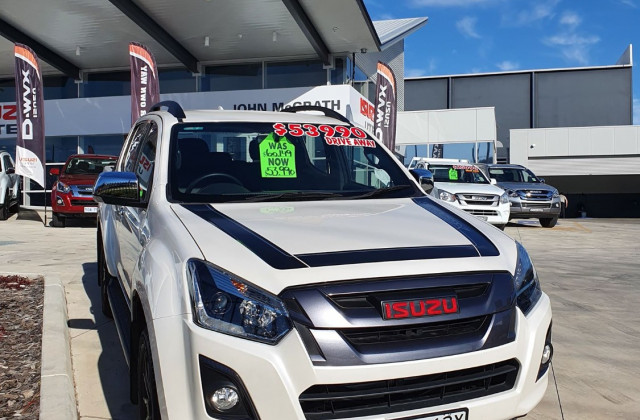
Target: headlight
(504,198)
(227,304)
(512,193)
(526,281)
(62,187)
(556,194)
(447,196)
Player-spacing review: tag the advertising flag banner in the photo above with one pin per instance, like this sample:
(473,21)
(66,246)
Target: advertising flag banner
(145,88)
(386,108)
(29,116)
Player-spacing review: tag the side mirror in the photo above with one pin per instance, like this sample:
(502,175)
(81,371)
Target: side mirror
(424,178)
(10,171)
(493,181)
(54,171)
(541,180)
(119,188)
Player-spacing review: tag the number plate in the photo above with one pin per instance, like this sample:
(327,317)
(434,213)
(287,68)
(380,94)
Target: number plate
(536,209)
(461,414)
(482,218)
(90,209)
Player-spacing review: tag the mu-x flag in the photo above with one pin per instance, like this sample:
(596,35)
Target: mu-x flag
(386,106)
(145,90)
(30,115)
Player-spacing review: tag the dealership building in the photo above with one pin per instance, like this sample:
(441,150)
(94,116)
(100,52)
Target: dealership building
(266,54)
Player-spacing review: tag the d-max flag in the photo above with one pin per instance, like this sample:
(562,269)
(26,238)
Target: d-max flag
(386,106)
(145,90)
(30,115)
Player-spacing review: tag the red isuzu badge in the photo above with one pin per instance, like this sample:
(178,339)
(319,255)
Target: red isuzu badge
(417,308)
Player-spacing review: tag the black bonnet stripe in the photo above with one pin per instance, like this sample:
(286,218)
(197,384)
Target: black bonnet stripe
(280,259)
(485,247)
(270,253)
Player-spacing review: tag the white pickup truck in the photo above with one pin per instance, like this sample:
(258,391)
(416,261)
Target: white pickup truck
(284,265)
(9,185)
(464,185)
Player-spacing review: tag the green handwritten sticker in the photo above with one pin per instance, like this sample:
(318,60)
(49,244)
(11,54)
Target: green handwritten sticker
(277,158)
(453,174)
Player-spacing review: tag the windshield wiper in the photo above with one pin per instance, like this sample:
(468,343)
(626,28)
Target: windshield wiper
(381,191)
(293,196)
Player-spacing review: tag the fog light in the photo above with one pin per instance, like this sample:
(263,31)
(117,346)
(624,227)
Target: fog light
(59,201)
(547,352)
(224,398)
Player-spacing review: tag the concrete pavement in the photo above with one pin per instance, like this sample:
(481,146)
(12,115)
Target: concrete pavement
(589,267)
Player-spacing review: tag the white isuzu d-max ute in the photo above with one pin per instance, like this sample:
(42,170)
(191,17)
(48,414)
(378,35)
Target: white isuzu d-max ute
(284,265)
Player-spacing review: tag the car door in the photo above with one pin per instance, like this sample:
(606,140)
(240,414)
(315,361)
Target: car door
(132,227)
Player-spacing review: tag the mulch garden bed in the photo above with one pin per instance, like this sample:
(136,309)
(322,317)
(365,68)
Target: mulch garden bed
(21,302)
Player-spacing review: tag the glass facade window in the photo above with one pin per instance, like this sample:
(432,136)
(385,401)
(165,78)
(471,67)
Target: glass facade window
(485,152)
(177,81)
(58,149)
(339,74)
(8,145)
(232,77)
(102,145)
(106,84)
(294,74)
(59,87)
(7,90)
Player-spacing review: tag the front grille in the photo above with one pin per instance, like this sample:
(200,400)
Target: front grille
(481,212)
(367,336)
(478,199)
(83,203)
(535,195)
(536,205)
(370,300)
(336,401)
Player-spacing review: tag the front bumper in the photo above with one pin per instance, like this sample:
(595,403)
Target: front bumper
(70,204)
(496,215)
(276,376)
(521,209)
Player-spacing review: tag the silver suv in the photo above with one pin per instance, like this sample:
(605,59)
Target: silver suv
(530,197)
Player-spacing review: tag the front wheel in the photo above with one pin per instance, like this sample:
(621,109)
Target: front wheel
(57,220)
(148,408)
(549,223)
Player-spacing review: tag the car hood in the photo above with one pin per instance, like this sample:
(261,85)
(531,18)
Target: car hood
(333,240)
(526,186)
(455,188)
(80,179)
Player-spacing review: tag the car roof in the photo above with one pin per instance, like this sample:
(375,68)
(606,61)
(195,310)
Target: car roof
(505,165)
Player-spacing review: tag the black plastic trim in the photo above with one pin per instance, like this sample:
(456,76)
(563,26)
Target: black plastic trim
(173,108)
(485,247)
(267,251)
(326,111)
(308,29)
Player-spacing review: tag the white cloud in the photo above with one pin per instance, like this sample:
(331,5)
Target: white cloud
(449,3)
(630,3)
(414,72)
(570,19)
(572,46)
(636,111)
(467,26)
(542,10)
(508,65)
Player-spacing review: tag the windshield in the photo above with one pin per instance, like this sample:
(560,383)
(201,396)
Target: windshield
(87,165)
(513,175)
(459,174)
(221,162)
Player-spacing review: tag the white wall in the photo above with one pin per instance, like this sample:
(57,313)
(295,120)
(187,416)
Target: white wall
(607,150)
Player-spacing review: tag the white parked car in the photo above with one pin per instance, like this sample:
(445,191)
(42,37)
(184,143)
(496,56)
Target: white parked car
(9,185)
(284,265)
(465,186)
